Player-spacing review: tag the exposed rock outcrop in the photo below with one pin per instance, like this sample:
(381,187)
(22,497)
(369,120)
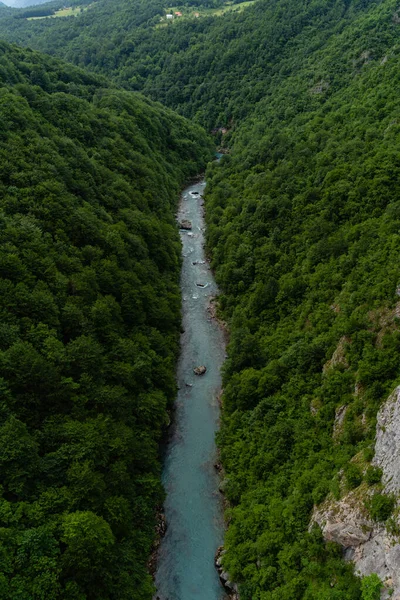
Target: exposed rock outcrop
(160,530)
(338,357)
(339,421)
(387,447)
(370,545)
(343,522)
(212,310)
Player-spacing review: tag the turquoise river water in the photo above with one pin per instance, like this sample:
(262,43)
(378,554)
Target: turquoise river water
(193,507)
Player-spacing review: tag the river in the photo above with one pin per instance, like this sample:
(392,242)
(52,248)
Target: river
(193,507)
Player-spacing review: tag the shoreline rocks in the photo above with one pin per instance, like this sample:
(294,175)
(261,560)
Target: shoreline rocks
(212,311)
(161,528)
(231,588)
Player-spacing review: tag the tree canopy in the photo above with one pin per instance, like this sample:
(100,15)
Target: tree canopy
(89,329)
(303,229)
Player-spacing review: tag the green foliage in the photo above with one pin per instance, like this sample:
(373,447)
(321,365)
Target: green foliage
(369,453)
(380,506)
(89,327)
(89,540)
(303,228)
(373,475)
(353,476)
(371,587)
(392,526)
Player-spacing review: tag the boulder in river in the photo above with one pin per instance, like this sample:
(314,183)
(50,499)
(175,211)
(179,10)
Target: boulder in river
(200,370)
(185,224)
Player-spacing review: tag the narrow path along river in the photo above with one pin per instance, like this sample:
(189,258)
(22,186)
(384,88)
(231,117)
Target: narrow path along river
(193,506)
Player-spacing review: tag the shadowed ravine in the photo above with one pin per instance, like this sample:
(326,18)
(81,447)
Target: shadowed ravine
(193,507)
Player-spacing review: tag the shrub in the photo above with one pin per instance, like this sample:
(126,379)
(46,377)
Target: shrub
(320,491)
(353,476)
(368,453)
(381,507)
(371,587)
(373,475)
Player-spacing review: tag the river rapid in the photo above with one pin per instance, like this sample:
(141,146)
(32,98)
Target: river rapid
(193,507)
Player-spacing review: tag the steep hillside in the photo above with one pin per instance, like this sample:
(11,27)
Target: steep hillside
(90,318)
(303,225)
(97,38)
(214,69)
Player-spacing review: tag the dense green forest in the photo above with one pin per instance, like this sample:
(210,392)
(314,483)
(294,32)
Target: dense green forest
(5,10)
(303,226)
(217,69)
(303,229)
(89,328)
(98,37)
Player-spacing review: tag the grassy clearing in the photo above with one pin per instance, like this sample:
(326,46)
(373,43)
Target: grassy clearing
(194,12)
(70,11)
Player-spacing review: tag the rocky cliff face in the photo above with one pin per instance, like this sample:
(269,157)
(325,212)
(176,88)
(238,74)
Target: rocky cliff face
(387,447)
(371,547)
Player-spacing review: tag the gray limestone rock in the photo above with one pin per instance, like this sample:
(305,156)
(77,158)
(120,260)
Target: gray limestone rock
(387,447)
(367,544)
(344,522)
(231,588)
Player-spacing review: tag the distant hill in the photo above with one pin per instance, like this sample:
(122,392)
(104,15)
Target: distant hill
(96,37)
(23,3)
(5,10)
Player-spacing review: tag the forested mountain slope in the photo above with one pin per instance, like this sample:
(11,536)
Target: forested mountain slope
(218,69)
(303,227)
(99,37)
(89,328)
